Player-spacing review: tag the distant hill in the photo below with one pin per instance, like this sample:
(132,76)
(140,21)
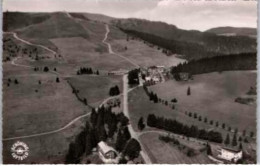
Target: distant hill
(234,31)
(16,20)
(41,27)
(57,26)
(98,17)
(190,43)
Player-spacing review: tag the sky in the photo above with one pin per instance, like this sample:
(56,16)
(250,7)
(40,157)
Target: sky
(185,14)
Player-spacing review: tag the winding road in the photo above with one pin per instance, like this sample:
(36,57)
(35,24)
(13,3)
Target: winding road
(125,95)
(130,127)
(68,124)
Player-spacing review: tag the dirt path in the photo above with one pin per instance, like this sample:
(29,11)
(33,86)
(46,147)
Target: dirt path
(13,62)
(112,52)
(29,43)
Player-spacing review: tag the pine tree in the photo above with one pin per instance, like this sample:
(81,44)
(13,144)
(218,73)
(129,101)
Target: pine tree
(16,81)
(227,140)
(251,134)
(85,101)
(89,143)
(240,146)
(209,151)
(151,96)
(45,69)
(200,118)
(155,98)
(223,126)
(120,141)
(234,140)
(188,91)
(132,149)
(141,124)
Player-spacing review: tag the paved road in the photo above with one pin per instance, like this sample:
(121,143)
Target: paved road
(125,97)
(130,127)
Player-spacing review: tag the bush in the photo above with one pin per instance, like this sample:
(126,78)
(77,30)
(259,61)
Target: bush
(132,149)
(45,69)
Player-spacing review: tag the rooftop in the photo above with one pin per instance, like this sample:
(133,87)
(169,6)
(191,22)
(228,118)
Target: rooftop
(105,148)
(233,150)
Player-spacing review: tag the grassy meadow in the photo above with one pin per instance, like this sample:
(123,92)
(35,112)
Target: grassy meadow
(213,95)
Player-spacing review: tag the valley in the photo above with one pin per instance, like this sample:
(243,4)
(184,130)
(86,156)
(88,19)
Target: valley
(59,70)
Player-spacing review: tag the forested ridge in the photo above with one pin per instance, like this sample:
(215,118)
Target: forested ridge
(210,45)
(245,61)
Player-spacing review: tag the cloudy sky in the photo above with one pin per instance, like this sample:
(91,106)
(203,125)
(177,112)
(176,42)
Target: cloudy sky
(185,14)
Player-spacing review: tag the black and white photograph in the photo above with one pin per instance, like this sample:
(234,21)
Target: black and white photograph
(129,82)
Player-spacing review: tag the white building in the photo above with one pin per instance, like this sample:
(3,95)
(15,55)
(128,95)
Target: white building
(107,153)
(230,154)
(148,78)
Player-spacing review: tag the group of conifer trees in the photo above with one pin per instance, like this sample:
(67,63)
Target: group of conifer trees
(84,70)
(103,125)
(245,61)
(180,128)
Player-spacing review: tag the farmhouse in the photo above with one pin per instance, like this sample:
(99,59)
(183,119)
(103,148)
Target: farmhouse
(107,154)
(230,154)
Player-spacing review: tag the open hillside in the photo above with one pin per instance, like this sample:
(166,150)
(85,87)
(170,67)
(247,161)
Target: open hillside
(199,44)
(16,20)
(98,17)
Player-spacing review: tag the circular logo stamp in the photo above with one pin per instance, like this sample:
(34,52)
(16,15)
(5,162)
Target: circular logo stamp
(20,150)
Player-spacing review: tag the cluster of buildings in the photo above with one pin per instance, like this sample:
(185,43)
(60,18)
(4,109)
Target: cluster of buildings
(154,74)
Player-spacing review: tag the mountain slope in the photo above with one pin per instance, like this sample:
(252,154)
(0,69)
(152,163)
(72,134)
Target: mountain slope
(199,44)
(250,32)
(16,20)
(57,26)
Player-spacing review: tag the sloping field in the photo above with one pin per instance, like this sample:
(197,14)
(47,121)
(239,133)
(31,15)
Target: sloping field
(86,54)
(164,153)
(213,95)
(47,149)
(59,25)
(30,107)
(95,88)
(16,20)
(141,106)
(144,55)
